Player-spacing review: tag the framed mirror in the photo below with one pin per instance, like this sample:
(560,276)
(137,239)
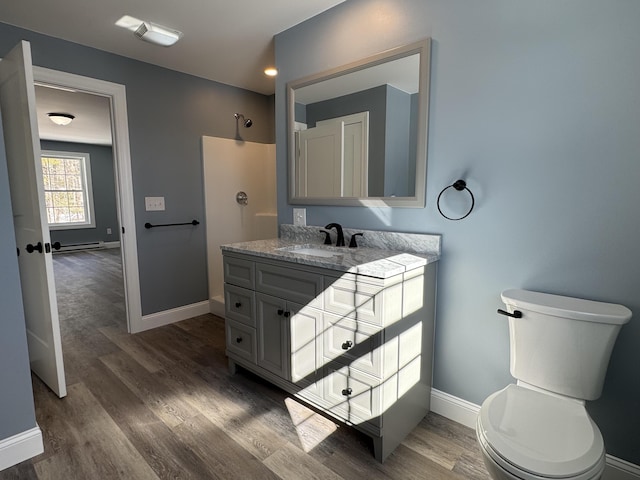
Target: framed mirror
(358,133)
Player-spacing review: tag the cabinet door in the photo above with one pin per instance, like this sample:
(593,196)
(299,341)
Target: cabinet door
(305,326)
(272,325)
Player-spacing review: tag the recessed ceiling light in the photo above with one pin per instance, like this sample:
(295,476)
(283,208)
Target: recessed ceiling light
(61,118)
(271,71)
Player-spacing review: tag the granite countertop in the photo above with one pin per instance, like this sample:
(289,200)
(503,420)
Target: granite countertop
(371,262)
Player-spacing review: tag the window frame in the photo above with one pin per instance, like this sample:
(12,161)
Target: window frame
(87,188)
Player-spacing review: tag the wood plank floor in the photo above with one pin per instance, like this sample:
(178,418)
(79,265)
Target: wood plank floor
(162,405)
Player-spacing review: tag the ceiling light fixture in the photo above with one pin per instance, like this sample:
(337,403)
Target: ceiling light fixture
(157,34)
(271,71)
(149,32)
(61,118)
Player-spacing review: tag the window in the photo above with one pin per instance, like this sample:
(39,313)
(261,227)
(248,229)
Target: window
(67,190)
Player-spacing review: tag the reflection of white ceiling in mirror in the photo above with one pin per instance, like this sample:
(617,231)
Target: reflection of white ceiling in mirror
(92,124)
(402,74)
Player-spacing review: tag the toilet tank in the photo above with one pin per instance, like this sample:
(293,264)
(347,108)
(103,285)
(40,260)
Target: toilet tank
(562,344)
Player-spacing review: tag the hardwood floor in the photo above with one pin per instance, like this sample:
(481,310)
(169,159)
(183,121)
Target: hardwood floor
(162,405)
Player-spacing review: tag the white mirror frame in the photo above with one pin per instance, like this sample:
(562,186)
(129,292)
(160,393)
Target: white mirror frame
(423,48)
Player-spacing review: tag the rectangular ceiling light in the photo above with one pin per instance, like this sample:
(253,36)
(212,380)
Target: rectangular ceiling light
(150,32)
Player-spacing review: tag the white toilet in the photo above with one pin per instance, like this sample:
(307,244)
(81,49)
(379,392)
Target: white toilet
(539,428)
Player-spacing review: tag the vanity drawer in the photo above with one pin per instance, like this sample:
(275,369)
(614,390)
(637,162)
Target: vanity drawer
(352,343)
(239,272)
(365,302)
(353,396)
(297,286)
(241,340)
(240,305)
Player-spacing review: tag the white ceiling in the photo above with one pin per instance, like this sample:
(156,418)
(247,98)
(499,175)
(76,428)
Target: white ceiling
(228,41)
(93,116)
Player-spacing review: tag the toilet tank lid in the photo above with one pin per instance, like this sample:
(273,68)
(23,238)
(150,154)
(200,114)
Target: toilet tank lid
(567,307)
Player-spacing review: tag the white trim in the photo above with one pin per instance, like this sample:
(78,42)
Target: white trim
(174,315)
(216,305)
(454,408)
(124,181)
(465,413)
(618,469)
(20,447)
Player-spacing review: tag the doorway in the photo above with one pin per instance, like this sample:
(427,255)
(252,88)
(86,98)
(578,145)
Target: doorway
(116,96)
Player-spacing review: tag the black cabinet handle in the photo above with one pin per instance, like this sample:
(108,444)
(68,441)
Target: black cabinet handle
(515,314)
(287,314)
(31,248)
(56,245)
(238,304)
(347,345)
(280,311)
(239,340)
(347,391)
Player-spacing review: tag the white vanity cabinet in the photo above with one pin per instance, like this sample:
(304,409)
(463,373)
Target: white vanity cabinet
(359,348)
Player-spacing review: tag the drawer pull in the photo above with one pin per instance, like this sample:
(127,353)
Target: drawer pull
(238,304)
(287,314)
(280,311)
(347,345)
(347,391)
(239,340)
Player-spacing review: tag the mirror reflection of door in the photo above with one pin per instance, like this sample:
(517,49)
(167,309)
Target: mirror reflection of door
(333,157)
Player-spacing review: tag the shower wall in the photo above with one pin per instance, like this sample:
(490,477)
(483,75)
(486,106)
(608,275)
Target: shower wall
(232,166)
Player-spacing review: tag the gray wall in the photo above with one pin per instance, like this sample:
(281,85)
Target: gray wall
(104,195)
(16,397)
(168,114)
(537,106)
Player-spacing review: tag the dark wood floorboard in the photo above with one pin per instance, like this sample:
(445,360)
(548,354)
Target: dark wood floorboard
(161,405)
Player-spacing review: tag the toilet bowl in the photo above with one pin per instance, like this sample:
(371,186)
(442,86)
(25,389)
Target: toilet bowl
(539,428)
(528,435)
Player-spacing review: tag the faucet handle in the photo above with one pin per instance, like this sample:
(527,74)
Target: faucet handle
(352,242)
(327,237)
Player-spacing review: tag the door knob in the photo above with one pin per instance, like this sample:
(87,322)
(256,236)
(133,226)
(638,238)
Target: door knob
(56,245)
(31,248)
(238,304)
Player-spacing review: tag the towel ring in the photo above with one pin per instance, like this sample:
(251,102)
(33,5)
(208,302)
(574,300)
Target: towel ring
(458,185)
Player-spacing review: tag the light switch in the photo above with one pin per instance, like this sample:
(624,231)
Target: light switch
(154,203)
(300,216)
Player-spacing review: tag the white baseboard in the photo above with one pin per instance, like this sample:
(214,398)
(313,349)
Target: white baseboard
(216,305)
(454,408)
(465,413)
(20,447)
(174,315)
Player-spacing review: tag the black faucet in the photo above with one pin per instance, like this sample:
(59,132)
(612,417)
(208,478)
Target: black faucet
(353,243)
(338,227)
(327,237)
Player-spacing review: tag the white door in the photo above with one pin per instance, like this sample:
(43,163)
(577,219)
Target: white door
(355,152)
(320,161)
(17,104)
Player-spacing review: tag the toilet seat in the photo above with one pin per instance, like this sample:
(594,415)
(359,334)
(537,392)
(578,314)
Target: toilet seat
(534,435)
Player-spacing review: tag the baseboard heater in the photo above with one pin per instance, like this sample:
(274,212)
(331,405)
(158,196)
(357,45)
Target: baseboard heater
(87,246)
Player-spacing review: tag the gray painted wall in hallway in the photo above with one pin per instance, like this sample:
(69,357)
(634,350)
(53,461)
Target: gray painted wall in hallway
(536,105)
(168,114)
(16,395)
